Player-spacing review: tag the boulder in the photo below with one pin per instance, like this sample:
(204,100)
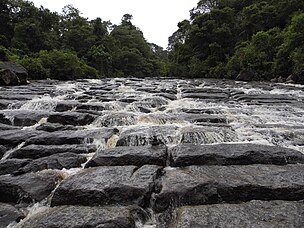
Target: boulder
(19,71)
(252,214)
(8,166)
(56,161)
(22,117)
(39,151)
(122,185)
(81,216)
(8,78)
(28,188)
(197,185)
(125,155)
(246,75)
(9,214)
(233,154)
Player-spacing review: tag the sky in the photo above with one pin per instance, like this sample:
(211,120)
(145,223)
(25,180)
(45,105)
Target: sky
(157,19)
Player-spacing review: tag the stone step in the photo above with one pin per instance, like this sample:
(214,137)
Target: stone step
(28,188)
(38,151)
(252,214)
(198,185)
(82,216)
(123,185)
(233,154)
(124,155)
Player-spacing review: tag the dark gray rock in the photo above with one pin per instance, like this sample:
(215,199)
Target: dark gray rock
(9,214)
(271,214)
(123,185)
(246,75)
(70,137)
(23,117)
(56,161)
(27,188)
(5,127)
(18,70)
(207,135)
(81,216)
(138,156)
(206,96)
(116,119)
(145,135)
(64,106)
(8,78)
(3,149)
(91,106)
(15,137)
(204,118)
(71,118)
(233,154)
(51,127)
(39,151)
(4,119)
(8,166)
(197,185)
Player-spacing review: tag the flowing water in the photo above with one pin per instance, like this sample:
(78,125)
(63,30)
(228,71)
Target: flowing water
(168,111)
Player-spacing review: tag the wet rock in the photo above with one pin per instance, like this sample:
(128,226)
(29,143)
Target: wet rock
(116,119)
(14,137)
(144,135)
(264,98)
(15,69)
(91,106)
(64,106)
(8,78)
(197,185)
(8,166)
(27,188)
(51,127)
(71,118)
(204,118)
(39,151)
(233,154)
(71,137)
(81,216)
(3,149)
(9,214)
(4,119)
(123,185)
(24,117)
(201,111)
(138,156)
(246,75)
(207,135)
(56,161)
(253,214)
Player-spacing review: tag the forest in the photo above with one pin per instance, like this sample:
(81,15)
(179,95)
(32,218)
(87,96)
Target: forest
(220,39)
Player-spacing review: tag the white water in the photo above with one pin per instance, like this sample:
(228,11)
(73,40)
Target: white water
(277,124)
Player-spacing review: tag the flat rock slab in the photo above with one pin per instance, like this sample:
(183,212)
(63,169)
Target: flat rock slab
(28,188)
(51,127)
(138,156)
(39,151)
(9,214)
(70,137)
(8,166)
(22,117)
(233,154)
(71,118)
(122,185)
(197,185)
(81,216)
(56,161)
(257,214)
(14,137)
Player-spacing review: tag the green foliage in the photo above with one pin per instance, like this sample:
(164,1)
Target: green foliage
(68,46)
(225,37)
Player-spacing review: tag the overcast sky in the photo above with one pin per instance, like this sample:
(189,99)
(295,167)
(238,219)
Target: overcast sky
(156,18)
